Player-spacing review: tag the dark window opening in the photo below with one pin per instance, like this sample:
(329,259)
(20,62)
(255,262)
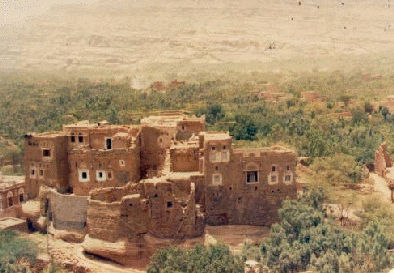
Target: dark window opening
(217,168)
(73,139)
(230,188)
(169,204)
(273,168)
(183,128)
(288,167)
(252,177)
(155,196)
(255,188)
(213,148)
(10,202)
(108,143)
(84,175)
(41,172)
(32,172)
(80,139)
(100,174)
(46,153)
(130,205)
(224,147)
(21,198)
(109,175)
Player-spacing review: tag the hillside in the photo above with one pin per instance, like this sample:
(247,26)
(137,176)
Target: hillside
(163,38)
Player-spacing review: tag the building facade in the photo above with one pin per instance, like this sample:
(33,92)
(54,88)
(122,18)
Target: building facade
(165,178)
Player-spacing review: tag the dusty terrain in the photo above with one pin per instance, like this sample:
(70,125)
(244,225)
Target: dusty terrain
(133,38)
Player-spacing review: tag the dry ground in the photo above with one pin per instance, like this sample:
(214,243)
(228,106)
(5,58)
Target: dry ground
(137,37)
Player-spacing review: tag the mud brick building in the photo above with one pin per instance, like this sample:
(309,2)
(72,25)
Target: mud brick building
(134,187)
(12,195)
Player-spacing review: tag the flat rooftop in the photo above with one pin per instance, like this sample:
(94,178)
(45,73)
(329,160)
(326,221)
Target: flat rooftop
(167,120)
(7,182)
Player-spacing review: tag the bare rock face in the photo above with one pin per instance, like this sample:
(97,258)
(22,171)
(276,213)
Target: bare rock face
(382,160)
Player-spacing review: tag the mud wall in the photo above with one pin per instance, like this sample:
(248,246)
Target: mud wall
(68,212)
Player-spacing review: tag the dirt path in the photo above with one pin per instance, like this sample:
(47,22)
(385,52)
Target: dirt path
(381,187)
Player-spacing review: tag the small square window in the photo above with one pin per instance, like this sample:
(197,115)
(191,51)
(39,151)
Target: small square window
(83,176)
(273,168)
(100,175)
(46,153)
(288,167)
(169,204)
(41,172)
(122,163)
(213,148)
(217,179)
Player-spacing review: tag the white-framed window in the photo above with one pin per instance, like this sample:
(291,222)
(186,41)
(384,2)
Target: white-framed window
(101,175)
(225,156)
(217,179)
(122,163)
(83,175)
(288,178)
(108,143)
(252,177)
(273,178)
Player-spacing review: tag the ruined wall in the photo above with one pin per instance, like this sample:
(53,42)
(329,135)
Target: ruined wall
(104,221)
(382,160)
(173,211)
(188,127)
(68,212)
(154,145)
(184,158)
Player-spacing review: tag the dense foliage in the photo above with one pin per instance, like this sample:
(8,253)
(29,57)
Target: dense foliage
(305,239)
(201,259)
(312,129)
(16,253)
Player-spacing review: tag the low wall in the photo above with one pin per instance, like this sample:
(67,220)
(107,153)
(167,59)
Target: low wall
(68,212)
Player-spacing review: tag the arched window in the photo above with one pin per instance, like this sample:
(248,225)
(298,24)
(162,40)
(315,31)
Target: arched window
(10,198)
(21,194)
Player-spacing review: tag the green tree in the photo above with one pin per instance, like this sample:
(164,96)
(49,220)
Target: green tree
(201,259)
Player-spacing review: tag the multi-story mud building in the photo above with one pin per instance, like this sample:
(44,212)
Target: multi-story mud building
(166,178)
